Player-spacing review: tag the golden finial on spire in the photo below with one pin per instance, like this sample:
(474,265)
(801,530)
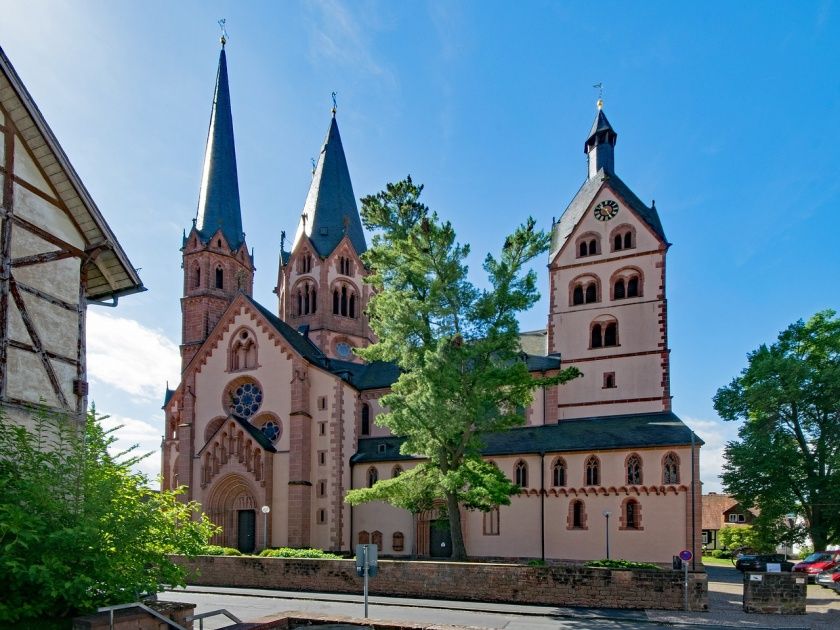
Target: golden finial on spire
(600,87)
(223,39)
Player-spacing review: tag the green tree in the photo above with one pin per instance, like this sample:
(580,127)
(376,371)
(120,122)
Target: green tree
(787,457)
(734,537)
(462,373)
(78,528)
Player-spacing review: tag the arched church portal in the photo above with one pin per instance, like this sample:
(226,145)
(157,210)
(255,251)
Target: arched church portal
(233,506)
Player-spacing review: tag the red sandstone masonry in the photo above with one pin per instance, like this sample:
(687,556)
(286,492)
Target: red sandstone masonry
(486,582)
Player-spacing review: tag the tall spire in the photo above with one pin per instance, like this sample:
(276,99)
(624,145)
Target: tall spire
(218,201)
(600,144)
(330,210)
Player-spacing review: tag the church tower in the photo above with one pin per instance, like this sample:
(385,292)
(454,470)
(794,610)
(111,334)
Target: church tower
(608,312)
(319,283)
(215,260)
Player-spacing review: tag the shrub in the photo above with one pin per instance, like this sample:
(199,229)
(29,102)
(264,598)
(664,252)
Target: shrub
(288,552)
(621,564)
(216,550)
(537,563)
(723,554)
(78,528)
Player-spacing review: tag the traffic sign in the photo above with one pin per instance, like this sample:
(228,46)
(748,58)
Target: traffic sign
(685,555)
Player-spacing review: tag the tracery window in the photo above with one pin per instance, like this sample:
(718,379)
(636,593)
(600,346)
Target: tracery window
(344,301)
(242,354)
(271,430)
(634,470)
(372,476)
(593,471)
(671,468)
(521,474)
(345,266)
(246,399)
(558,473)
(305,263)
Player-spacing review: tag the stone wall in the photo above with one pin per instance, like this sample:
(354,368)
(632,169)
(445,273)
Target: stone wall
(551,585)
(137,618)
(775,593)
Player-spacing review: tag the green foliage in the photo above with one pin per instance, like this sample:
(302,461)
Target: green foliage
(462,373)
(787,457)
(288,552)
(216,550)
(734,537)
(78,528)
(721,554)
(537,563)
(621,564)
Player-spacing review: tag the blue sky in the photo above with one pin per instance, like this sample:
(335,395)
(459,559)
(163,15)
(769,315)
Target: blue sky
(727,115)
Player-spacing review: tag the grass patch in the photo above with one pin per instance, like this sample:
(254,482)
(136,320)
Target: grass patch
(621,564)
(287,552)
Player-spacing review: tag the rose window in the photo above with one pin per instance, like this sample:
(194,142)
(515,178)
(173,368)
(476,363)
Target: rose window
(246,399)
(271,430)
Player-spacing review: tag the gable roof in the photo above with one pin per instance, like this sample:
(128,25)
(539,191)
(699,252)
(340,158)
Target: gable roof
(110,274)
(330,206)
(587,193)
(583,434)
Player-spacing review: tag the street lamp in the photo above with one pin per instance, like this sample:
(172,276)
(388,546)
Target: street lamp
(607,516)
(693,499)
(265,510)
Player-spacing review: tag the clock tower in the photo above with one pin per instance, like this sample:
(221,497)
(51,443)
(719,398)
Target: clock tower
(608,311)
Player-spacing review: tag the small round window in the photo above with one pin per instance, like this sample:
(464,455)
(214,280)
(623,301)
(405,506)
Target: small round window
(271,430)
(246,399)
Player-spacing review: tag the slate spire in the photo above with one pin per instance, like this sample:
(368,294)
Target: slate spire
(218,200)
(600,145)
(330,210)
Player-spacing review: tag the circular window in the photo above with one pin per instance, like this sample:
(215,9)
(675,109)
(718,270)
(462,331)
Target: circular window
(271,430)
(343,349)
(246,399)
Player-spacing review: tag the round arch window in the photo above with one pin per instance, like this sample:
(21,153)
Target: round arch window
(271,430)
(246,400)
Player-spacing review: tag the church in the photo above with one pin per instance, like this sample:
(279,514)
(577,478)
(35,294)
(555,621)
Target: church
(274,418)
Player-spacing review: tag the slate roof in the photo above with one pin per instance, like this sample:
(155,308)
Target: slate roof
(259,437)
(584,434)
(583,199)
(600,124)
(167,396)
(331,202)
(218,200)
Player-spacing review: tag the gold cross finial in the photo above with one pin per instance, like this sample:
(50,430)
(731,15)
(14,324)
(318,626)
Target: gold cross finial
(600,88)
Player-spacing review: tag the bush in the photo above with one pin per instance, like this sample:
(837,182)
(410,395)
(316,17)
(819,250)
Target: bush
(537,563)
(722,554)
(621,564)
(288,552)
(78,528)
(216,550)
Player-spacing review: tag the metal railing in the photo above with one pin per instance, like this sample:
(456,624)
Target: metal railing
(212,613)
(143,607)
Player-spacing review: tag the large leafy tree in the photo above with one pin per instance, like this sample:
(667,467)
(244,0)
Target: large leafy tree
(78,528)
(787,457)
(462,373)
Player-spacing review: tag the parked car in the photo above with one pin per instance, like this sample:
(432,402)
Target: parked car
(759,562)
(816,563)
(830,578)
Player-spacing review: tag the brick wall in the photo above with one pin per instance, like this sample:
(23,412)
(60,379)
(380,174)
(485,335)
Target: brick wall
(552,585)
(775,593)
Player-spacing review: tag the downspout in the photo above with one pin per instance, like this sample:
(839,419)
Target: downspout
(542,505)
(351,507)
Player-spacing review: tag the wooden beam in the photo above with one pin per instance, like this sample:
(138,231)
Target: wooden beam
(7,199)
(46,296)
(52,355)
(37,259)
(47,236)
(36,341)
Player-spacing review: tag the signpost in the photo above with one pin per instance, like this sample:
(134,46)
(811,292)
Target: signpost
(685,556)
(366,566)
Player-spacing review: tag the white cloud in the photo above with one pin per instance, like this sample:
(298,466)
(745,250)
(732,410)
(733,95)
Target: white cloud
(715,434)
(147,438)
(128,356)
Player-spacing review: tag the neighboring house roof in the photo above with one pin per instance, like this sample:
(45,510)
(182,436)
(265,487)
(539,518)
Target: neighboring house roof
(110,273)
(330,210)
(583,434)
(716,506)
(218,199)
(587,193)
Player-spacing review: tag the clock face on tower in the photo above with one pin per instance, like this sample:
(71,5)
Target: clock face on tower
(606,210)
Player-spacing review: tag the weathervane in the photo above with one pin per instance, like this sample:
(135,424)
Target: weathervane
(600,88)
(224,36)
(335,105)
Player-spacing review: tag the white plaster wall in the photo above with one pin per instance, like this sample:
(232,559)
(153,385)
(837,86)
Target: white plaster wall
(279,500)
(380,516)
(31,207)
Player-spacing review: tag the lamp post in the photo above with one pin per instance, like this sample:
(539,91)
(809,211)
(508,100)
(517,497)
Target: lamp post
(265,510)
(607,516)
(693,484)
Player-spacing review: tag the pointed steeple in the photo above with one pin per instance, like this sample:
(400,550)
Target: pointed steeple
(330,210)
(600,145)
(218,201)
